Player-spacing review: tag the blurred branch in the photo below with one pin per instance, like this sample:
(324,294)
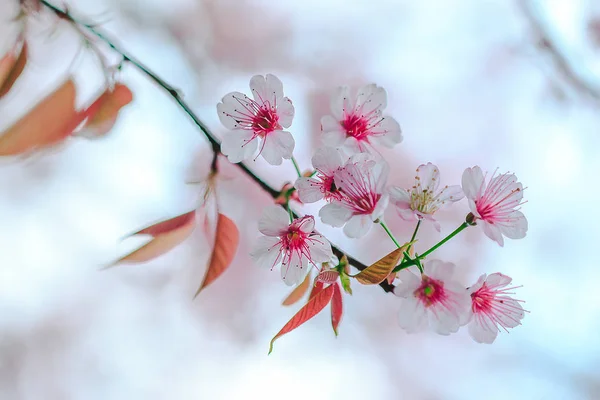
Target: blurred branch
(175,94)
(560,60)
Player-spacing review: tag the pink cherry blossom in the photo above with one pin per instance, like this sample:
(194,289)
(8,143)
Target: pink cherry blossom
(361,201)
(326,161)
(432,300)
(260,119)
(493,308)
(294,245)
(495,204)
(357,121)
(425,197)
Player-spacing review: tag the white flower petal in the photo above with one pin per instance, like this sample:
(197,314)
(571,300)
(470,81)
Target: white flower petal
(335,214)
(266,252)
(234,107)
(472,182)
(285,112)
(450,194)
(306,223)
(517,228)
(437,269)
(274,221)
(399,197)
(412,316)
(295,272)
(497,280)
(309,189)
(387,132)
(320,249)
(492,231)
(327,160)
(379,209)
(278,145)
(428,177)
(239,145)
(371,98)
(340,102)
(409,282)
(358,226)
(482,330)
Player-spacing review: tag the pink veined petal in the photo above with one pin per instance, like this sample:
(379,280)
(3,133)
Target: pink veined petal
(492,231)
(408,214)
(496,280)
(477,285)
(358,226)
(327,160)
(399,197)
(309,190)
(340,102)
(267,251)
(412,315)
(320,249)
(306,224)
(380,207)
(296,270)
(286,112)
(409,282)
(482,330)
(274,221)
(335,214)
(428,175)
(353,146)
(451,193)
(266,91)
(230,110)
(239,145)
(274,86)
(472,182)
(381,171)
(371,98)
(517,229)
(437,269)
(387,132)
(278,145)
(473,208)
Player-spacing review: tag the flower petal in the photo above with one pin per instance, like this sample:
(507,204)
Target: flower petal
(472,182)
(327,160)
(309,189)
(274,221)
(285,112)
(371,98)
(409,282)
(412,316)
(516,228)
(335,214)
(267,251)
(235,107)
(399,197)
(239,145)
(492,231)
(320,249)
(387,132)
(340,102)
(358,226)
(278,145)
(482,330)
(428,177)
(295,272)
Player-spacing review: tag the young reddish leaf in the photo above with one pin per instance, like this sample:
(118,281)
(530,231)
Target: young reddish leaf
(11,69)
(390,278)
(51,121)
(336,308)
(102,114)
(168,225)
(328,276)
(164,240)
(317,287)
(310,309)
(298,292)
(376,273)
(227,238)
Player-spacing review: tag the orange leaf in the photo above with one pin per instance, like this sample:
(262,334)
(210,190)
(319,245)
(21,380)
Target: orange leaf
(11,68)
(317,287)
(227,238)
(328,276)
(164,239)
(310,309)
(102,114)
(298,292)
(376,273)
(51,121)
(336,308)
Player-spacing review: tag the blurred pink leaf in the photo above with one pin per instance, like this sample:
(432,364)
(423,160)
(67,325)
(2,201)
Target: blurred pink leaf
(298,292)
(102,114)
(227,239)
(11,68)
(310,309)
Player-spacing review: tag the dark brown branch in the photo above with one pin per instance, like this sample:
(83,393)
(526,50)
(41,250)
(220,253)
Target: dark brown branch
(560,61)
(174,93)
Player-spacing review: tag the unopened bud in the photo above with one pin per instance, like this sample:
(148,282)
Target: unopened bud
(471,220)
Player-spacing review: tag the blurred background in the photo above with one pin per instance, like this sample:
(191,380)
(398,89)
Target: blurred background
(505,84)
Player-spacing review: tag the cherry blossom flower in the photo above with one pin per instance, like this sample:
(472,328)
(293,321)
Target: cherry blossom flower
(293,245)
(432,300)
(425,197)
(326,161)
(361,201)
(493,308)
(357,121)
(494,204)
(262,118)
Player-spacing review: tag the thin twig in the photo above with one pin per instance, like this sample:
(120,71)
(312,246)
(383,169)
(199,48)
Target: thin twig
(560,60)
(174,93)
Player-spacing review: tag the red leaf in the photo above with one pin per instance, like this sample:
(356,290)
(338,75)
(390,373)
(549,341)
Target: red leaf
(50,122)
(227,238)
(102,114)
(298,292)
(168,225)
(310,309)
(336,308)
(11,68)
(167,235)
(317,287)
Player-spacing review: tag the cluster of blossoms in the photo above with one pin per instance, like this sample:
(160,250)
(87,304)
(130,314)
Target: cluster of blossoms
(350,179)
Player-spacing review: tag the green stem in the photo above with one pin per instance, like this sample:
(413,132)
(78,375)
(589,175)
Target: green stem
(414,235)
(297,167)
(384,226)
(444,240)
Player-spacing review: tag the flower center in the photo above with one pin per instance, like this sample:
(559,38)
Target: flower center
(356,126)
(430,292)
(265,121)
(423,201)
